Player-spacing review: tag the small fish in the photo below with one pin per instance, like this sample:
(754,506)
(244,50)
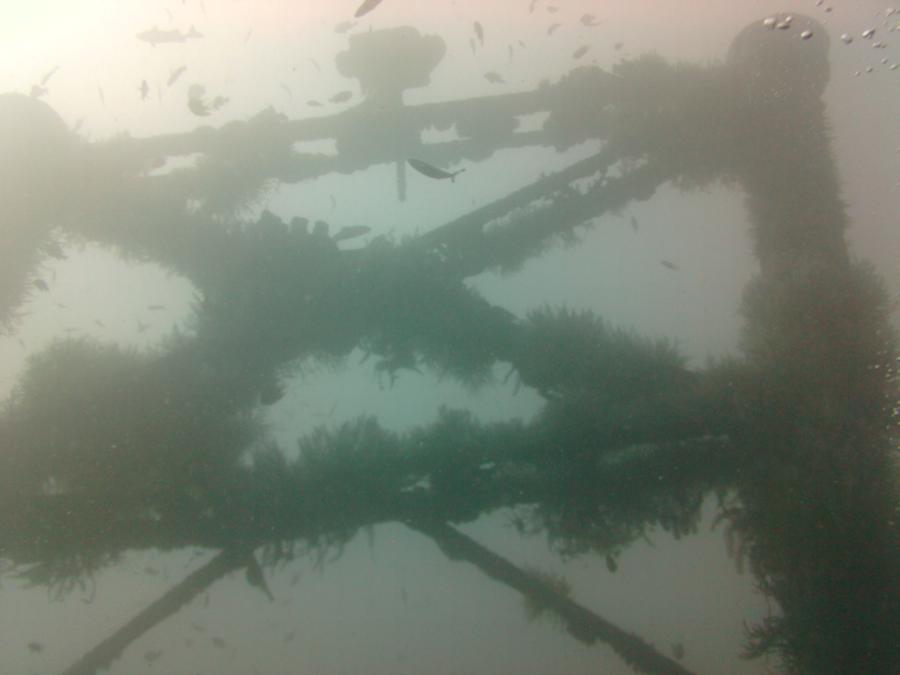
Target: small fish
(494,78)
(351,232)
(427,169)
(37,91)
(552,9)
(313,103)
(155,308)
(289,637)
(611,563)
(218,642)
(581,51)
(152,571)
(48,75)
(553,28)
(341,96)
(509,50)
(669,264)
(344,26)
(479,32)
(35,647)
(144,89)
(634,224)
(531,6)
(589,20)
(155,36)
(678,650)
(175,74)
(315,64)
(40,284)
(141,326)
(197,627)
(473,45)
(152,655)
(102,97)
(618,46)
(286,89)
(366,7)
(218,102)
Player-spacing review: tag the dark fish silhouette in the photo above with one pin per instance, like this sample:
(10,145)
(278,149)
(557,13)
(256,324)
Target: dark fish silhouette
(427,169)
(287,89)
(175,74)
(351,232)
(144,89)
(611,564)
(155,36)
(479,32)
(634,223)
(669,264)
(678,650)
(218,642)
(37,91)
(589,20)
(35,647)
(618,46)
(552,9)
(155,308)
(313,103)
(152,655)
(494,78)
(41,284)
(553,28)
(581,51)
(366,7)
(341,96)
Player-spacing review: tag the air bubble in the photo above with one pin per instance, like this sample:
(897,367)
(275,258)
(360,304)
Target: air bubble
(769,22)
(847,38)
(805,35)
(868,32)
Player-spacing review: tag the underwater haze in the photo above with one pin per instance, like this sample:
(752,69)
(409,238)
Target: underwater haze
(394,337)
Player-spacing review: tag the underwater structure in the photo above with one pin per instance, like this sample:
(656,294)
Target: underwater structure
(797,435)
